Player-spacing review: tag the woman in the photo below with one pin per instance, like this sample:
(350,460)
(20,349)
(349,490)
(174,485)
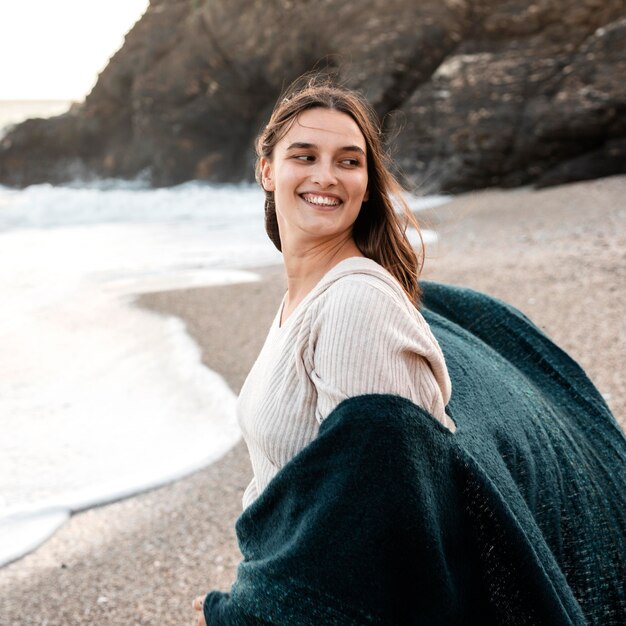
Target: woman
(364,507)
(348,323)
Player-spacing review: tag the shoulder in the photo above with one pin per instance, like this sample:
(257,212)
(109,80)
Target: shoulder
(359,301)
(365,283)
(362,289)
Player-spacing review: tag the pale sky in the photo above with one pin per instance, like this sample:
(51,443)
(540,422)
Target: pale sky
(54,49)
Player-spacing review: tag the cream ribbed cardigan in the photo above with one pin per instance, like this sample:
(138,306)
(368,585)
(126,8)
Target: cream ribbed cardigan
(355,332)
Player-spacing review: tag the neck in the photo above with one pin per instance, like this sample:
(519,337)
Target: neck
(305,267)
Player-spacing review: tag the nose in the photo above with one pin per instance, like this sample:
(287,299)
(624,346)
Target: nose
(323,174)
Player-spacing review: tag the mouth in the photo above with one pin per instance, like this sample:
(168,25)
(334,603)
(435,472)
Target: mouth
(321,200)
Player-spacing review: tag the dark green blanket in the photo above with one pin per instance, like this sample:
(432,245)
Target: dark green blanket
(388,518)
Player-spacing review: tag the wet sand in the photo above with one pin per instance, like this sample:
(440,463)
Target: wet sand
(558,254)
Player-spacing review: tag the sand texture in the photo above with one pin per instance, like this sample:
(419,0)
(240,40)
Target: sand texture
(558,254)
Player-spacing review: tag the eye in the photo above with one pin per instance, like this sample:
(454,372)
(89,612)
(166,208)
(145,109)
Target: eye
(350,162)
(304,157)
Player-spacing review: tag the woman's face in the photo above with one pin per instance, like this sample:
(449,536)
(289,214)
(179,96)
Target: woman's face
(318,174)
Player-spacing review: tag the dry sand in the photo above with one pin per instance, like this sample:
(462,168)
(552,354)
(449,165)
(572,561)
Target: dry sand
(558,254)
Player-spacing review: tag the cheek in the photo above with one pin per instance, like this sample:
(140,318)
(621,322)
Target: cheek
(359,184)
(286,179)
(286,184)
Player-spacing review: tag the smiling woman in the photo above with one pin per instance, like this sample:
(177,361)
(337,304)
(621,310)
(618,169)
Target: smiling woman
(366,504)
(349,323)
(352,288)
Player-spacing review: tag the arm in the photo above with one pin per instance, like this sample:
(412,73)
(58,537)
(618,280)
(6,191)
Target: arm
(366,339)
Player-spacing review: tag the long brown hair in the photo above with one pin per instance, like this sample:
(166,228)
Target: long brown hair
(378,231)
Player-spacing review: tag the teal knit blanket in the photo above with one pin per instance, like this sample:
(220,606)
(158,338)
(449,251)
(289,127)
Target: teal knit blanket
(388,518)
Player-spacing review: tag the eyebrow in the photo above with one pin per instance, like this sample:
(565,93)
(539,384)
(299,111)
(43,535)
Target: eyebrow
(298,145)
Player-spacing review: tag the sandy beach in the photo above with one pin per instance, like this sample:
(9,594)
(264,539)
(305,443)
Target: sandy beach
(558,254)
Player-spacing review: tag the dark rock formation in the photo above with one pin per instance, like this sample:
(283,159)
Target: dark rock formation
(473,93)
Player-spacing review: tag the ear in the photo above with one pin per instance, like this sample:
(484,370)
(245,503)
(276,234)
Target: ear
(366,197)
(267,180)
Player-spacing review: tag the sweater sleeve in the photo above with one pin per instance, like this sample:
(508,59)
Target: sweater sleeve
(250,494)
(367,340)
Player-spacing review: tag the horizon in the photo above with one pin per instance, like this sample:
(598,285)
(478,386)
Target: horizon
(36,100)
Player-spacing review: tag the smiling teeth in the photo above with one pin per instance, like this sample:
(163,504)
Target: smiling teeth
(321,200)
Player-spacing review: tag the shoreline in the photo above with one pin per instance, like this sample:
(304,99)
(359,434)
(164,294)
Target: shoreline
(557,254)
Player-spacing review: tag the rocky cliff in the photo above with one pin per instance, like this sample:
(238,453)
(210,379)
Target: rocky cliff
(474,93)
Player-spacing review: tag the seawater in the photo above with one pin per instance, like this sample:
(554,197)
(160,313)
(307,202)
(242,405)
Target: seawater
(100,399)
